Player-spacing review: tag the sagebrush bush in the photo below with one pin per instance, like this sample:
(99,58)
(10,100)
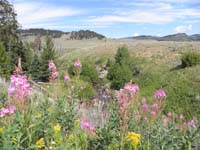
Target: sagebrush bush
(190,59)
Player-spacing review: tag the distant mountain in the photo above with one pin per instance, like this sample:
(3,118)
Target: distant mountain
(173,37)
(75,35)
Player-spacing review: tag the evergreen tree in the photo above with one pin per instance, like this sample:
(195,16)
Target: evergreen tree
(5,68)
(35,67)
(9,31)
(120,72)
(48,54)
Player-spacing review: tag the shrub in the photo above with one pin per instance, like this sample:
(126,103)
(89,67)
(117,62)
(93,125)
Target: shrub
(121,71)
(89,73)
(190,59)
(87,92)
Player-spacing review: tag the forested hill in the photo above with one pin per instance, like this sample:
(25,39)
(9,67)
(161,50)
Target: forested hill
(75,35)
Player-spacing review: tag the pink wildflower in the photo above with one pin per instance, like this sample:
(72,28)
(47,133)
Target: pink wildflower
(53,69)
(11,109)
(154,107)
(160,94)
(4,111)
(145,107)
(123,99)
(77,64)
(192,123)
(87,125)
(153,113)
(132,88)
(181,117)
(143,100)
(19,86)
(52,66)
(66,78)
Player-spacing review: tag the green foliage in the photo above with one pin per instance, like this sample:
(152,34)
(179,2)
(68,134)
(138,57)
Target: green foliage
(87,92)
(119,75)
(89,73)
(5,68)
(47,54)
(121,71)
(35,67)
(190,59)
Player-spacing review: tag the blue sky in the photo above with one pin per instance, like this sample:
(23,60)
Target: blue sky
(112,18)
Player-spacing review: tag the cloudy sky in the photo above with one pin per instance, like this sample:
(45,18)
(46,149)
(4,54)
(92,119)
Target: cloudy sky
(113,18)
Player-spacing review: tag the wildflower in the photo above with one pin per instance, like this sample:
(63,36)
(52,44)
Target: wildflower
(14,140)
(9,110)
(145,107)
(160,94)
(169,114)
(134,138)
(52,66)
(143,100)
(66,78)
(154,107)
(19,86)
(87,125)
(192,123)
(132,88)
(40,143)
(123,99)
(56,128)
(53,69)
(153,113)
(77,64)
(71,137)
(181,117)
(1,130)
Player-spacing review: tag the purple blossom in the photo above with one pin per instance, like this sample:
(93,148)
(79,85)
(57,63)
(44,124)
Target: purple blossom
(66,78)
(160,94)
(4,111)
(144,100)
(77,64)
(154,107)
(132,88)
(19,86)
(145,107)
(87,125)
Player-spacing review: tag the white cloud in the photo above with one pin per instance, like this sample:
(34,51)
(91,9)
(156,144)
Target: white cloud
(135,34)
(181,29)
(30,13)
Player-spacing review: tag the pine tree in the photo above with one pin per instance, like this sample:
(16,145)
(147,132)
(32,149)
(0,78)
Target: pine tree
(48,54)
(5,68)
(9,31)
(121,71)
(35,68)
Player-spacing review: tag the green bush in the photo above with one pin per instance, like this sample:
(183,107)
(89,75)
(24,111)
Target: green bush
(121,71)
(190,59)
(89,73)
(87,92)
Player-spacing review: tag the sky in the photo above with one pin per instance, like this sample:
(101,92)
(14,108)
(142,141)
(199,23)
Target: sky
(112,18)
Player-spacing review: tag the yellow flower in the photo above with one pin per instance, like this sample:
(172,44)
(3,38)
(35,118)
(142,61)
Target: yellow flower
(134,138)
(14,140)
(1,130)
(38,116)
(71,137)
(77,122)
(40,143)
(56,128)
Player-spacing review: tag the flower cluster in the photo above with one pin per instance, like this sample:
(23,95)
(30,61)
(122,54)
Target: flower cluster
(57,128)
(9,110)
(19,86)
(126,94)
(77,64)
(53,69)
(160,94)
(134,138)
(40,143)
(87,125)
(66,78)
